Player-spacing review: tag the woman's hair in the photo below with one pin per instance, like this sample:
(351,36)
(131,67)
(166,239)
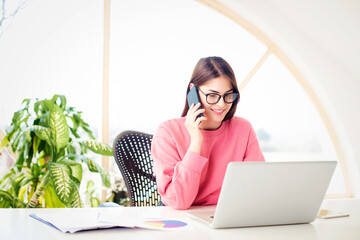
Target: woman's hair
(207,69)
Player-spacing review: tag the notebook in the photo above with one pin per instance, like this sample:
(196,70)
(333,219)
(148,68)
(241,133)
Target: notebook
(269,193)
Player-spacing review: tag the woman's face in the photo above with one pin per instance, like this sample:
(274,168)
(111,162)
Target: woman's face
(215,113)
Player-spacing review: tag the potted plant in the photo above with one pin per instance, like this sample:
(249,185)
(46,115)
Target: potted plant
(47,137)
(119,194)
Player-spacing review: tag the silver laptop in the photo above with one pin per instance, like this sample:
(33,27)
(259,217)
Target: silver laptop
(269,193)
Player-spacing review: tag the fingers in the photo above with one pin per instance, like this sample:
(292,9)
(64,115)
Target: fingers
(194,111)
(193,114)
(193,108)
(199,120)
(192,123)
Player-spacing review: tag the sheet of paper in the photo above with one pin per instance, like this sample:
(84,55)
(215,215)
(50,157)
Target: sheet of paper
(164,224)
(70,222)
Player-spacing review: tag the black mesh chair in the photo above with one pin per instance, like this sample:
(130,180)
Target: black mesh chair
(132,152)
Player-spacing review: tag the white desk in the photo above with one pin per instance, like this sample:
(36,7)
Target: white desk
(16,224)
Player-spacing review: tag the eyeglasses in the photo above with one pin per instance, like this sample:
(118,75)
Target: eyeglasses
(213,98)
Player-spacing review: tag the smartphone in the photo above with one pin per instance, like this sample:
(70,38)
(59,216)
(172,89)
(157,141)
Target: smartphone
(193,98)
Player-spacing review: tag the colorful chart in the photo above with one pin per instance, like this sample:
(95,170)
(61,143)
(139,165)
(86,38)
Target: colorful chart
(165,223)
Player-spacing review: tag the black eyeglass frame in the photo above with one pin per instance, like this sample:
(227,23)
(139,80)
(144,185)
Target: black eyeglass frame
(235,94)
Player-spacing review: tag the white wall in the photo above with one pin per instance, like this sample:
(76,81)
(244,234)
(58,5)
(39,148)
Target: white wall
(322,38)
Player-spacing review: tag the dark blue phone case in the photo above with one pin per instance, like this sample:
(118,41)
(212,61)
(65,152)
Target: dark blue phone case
(193,98)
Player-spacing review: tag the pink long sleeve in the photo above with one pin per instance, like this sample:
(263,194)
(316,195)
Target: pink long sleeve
(178,178)
(185,178)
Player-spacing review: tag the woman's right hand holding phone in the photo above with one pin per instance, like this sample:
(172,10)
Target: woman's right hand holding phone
(192,124)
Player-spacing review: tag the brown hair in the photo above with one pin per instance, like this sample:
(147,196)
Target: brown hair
(209,68)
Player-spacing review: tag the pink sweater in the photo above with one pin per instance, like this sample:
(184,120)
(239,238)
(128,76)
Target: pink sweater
(185,178)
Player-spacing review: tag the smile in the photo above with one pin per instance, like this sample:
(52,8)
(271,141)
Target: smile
(218,111)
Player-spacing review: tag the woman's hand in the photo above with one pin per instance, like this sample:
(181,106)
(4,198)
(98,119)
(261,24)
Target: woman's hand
(193,126)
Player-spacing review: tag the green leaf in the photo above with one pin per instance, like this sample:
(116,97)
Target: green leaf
(10,200)
(4,204)
(16,140)
(90,186)
(91,165)
(6,196)
(64,187)
(105,177)
(22,193)
(17,116)
(20,160)
(51,199)
(62,101)
(27,101)
(59,128)
(42,132)
(89,132)
(73,131)
(4,143)
(36,144)
(36,107)
(94,167)
(26,154)
(36,170)
(71,149)
(76,200)
(94,201)
(76,170)
(98,147)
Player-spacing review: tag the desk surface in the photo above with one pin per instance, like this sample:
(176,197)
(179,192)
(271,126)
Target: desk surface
(16,224)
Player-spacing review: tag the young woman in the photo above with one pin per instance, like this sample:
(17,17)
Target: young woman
(191,154)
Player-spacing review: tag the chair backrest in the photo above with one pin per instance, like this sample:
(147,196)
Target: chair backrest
(132,152)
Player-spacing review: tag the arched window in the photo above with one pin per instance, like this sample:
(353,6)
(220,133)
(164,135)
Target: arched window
(154,48)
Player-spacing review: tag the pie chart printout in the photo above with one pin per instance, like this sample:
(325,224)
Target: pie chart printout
(165,223)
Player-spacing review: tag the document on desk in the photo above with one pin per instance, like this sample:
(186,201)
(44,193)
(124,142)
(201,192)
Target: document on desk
(163,224)
(91,219)
(68,222)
